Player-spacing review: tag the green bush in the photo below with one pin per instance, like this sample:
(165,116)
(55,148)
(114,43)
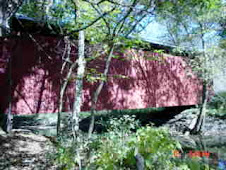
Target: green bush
(119,147)
(156,146)
(192,164)
(68,153)
(217,105)
(219,101)
(65,157)
(114,145)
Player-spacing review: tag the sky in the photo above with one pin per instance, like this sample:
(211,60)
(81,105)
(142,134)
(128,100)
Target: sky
(154,33)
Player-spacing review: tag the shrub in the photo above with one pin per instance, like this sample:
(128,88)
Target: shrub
(156,146)
(192,164)
(65,157)
(218,105)
(68,153)
(118,148)
(114,145)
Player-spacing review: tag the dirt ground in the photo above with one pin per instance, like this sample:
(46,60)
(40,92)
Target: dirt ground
(24,151)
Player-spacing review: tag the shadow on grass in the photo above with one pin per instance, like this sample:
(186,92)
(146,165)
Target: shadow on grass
(44,123)
(155,116)
(20,150)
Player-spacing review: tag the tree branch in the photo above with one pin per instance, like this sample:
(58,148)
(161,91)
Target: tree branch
(90,24)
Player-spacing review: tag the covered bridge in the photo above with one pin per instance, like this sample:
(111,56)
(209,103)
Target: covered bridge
(137,79)
(30,75)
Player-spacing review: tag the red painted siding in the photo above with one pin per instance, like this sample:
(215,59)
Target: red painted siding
(152,80)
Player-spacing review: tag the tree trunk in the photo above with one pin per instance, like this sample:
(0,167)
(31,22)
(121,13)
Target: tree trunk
(78,94)
(2,116)
(62,91)
(202,113)
(78,88)
(97,92)
(8,117)
(2,18)
(9,123)
(79,84)
(64,85)
(7,9)
(201,117)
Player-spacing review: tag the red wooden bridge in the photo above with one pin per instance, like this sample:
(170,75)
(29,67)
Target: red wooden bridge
(150,79)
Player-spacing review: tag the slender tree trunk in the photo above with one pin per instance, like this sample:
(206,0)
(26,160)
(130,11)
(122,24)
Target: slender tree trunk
(64,84)
(2,17)
(202,112)
(78,95)
(8,118)
(78,88)
(97,92)
(62,91)
(2,116)
(7,9)
(9,123)
(79,84)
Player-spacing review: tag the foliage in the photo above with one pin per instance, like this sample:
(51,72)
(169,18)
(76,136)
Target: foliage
(122,125)
(114,147)
(55,16)
(196,33)
(135,42)
(65,157)
(68,153)
(156,146)
(217,105)
(92,75)
(191,164)
(103,21)
(119,147)
(33,9)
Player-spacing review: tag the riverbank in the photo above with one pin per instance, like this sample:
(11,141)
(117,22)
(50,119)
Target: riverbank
(212,139)
(213,126)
